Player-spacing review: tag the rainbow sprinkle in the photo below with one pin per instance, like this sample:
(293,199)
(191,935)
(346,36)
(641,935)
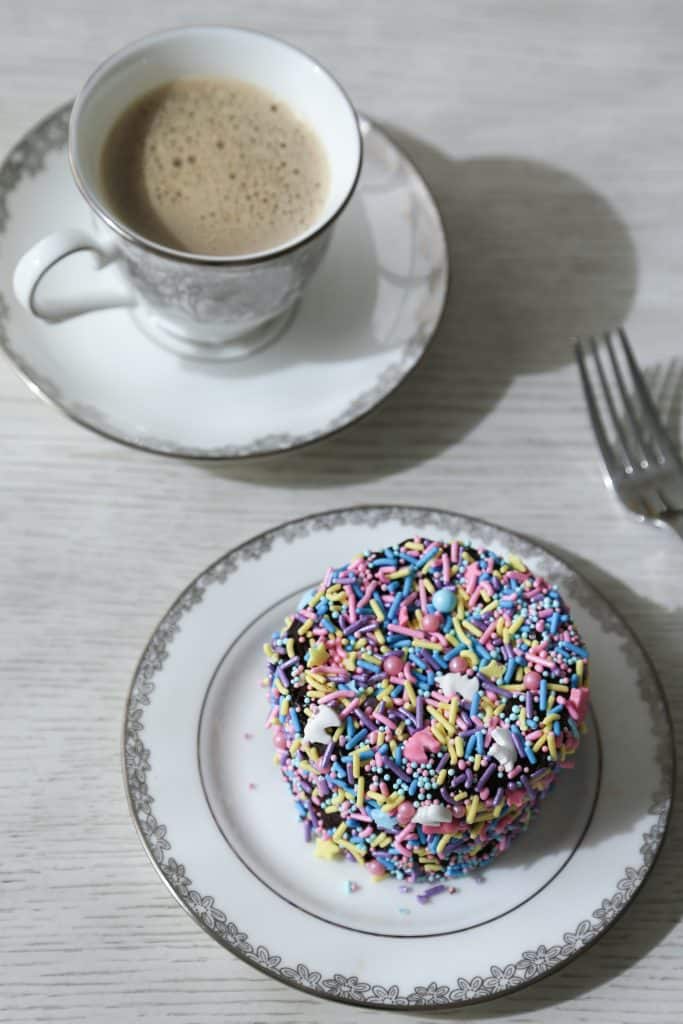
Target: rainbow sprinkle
(424,699)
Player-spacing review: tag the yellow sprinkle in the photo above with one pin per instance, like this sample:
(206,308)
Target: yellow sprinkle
(340,831)
(439,733)
(409,692)
(443,843)
(399,733)
(552,746)
(393,747)
(346,845)
(519,674)
(400,573)
(374,795)
(372,659)
(506,635)
(472,810)
(355,762)
(549,719)
(579,669)
(387,841)
(477,762)
(460,746)
(285,706)
(325,848)
(491,607)
(289,646)
(377,609)
(429,586)
(305,627)
(522,718)
(269,652)
(394,800)
(350,661)
(498,809)
(376,840)
(279,687)
(500,626)
(461,635)
(413,545)
(539,743)
(338,732)
(296,743)
(452,752)
(314,677)
(516,562)
(360,793)
(450,729)
(441,778)
(428,644)
(516,624)
(453,710)
(494,670)
(558,687)
(484,816)
(452,639)
(471,628)
(381,639)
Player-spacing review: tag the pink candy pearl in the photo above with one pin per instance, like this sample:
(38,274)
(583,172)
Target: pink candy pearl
(458,664)
(459,810)
(279,739)
(392,665)
(405,813)
(376,869)
(432,621)
(532,680)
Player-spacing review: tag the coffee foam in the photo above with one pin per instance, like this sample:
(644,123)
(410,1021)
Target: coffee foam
(214,166)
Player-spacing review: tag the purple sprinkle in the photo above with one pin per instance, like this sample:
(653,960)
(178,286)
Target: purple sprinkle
(435,890)
(349,773)
(404,888)
(457,780)
(485,777)
(367,722)
(323,788)
(373,624)
(525,782)
(407,715)
(423,898)
(488,685)
(469,778)
(393,767)
(289,663)
(517,740)
(354,627)
(443,762)
(307,829)
(419,711)
(446,797)
(325,762)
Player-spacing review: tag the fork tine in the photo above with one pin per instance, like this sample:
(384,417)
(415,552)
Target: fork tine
(640,433)
(647,405)
(596,420)
(616,418)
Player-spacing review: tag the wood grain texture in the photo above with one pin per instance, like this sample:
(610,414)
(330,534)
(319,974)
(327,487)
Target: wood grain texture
(551,136)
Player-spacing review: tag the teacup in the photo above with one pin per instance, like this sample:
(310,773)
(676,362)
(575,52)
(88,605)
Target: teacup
(205,304)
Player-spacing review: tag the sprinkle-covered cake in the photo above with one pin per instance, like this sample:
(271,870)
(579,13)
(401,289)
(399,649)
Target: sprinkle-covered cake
(424,698)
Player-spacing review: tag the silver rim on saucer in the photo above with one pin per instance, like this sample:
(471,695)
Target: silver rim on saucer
(27,159)
(523,968)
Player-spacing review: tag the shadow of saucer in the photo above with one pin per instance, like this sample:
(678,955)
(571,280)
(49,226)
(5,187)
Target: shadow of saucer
(537,257)
(658,907)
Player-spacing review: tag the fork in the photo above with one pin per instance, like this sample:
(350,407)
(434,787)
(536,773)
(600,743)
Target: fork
(641,461)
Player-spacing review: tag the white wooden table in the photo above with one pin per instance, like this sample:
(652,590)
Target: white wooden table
(552,136)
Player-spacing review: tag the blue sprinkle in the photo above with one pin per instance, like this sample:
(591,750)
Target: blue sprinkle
(479,737)
(393,608)
(554,623)
(471,743)
(474,707)
(530,754)
(349,727)
(574,728)
(510,670)
(367,665)
(412,789)
(575,649)
(358,738)
(295,720)
(408,584)
(543,694)
(557,728)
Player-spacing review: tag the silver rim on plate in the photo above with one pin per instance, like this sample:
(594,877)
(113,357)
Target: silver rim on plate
(529,965)
(27,159)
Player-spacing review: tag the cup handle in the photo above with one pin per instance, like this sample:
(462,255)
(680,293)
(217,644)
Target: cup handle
(39,260)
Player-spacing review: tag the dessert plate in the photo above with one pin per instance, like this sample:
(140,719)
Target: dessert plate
(219,824)
(359,329)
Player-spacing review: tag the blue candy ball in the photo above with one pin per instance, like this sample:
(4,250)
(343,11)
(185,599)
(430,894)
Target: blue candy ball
(444,600)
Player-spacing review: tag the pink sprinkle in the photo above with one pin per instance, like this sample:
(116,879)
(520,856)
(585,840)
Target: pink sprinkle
(455,552)
(349,708)
(445,567)
(474,597)
(351,606)
(418,634)
(487,634)
(423,595)
(367,594)
(366,832)
(329,697)
(536,734)
(384,789)
(252,785)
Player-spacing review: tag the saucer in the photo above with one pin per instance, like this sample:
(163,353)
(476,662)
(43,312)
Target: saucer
(218,824)
(360,328)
